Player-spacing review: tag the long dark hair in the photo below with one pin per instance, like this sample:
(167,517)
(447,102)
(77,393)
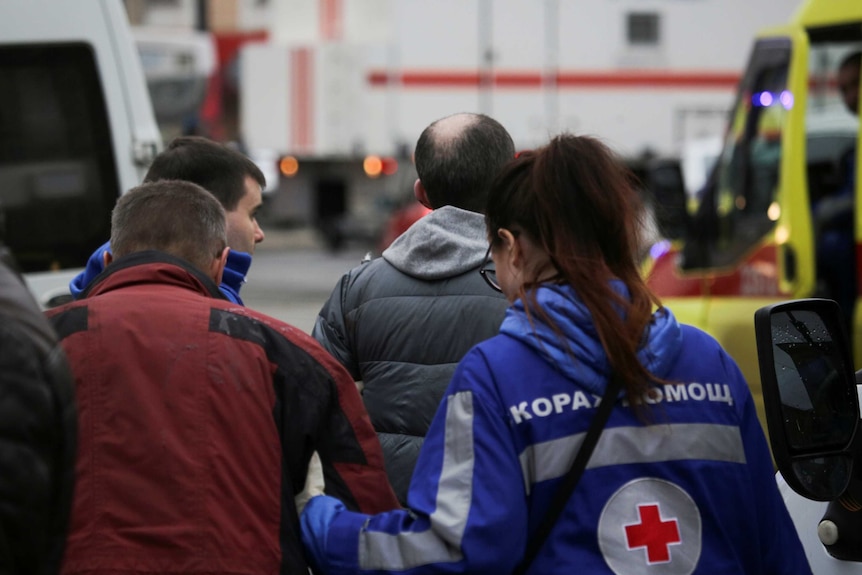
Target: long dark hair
(576,200)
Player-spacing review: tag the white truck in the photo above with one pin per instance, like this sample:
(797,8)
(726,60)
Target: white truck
(338,82)
(76,130)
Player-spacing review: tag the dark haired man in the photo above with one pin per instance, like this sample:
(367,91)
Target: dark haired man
(401,323)
(232,178)
(198,418)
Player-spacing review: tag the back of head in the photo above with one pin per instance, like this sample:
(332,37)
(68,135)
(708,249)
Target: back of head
(575,197)
(176,217)
(458,156)
(213,166)
(576,200)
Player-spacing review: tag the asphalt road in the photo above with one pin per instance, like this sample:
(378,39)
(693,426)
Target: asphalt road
(292,275)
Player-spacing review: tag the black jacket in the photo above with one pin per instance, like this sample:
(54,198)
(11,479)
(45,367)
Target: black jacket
(38,430)
(401,323)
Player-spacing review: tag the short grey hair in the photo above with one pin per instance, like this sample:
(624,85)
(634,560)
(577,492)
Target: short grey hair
(172,216)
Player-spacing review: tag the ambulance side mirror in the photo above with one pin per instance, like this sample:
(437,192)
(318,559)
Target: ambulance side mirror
(809,391)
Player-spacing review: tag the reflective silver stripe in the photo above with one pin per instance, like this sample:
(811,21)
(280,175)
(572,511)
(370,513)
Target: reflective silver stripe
(621,445)
(442,543)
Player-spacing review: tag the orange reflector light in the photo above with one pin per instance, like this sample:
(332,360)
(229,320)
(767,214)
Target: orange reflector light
(373,166)
(288,166)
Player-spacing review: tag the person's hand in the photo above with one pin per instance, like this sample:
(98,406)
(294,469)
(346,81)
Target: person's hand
(314,483)
(315,524)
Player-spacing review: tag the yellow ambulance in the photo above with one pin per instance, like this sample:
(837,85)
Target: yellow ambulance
(776,218)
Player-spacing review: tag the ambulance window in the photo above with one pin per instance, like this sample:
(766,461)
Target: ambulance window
(734,214)
(831,127)
(58,178)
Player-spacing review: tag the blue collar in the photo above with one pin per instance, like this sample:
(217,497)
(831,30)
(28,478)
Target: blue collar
(237,266)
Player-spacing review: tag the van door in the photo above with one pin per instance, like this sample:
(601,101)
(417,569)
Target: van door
(76,130)
(145,140)
(58,179)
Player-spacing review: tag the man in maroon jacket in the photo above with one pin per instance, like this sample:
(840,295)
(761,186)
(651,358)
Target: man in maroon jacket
(197,417)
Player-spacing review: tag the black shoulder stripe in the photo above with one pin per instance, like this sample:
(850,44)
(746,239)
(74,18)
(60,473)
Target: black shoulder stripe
(293,363)
(286,355)
(237,326)
(70,321)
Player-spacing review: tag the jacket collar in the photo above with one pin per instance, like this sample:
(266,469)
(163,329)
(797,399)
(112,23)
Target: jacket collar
(152,266)
(235,270)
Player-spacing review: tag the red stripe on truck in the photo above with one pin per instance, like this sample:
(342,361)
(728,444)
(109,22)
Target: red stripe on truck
(515,79)
(331,19)
(301,90)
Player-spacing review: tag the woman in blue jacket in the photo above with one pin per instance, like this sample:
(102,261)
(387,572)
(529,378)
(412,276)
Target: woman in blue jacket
(681,480)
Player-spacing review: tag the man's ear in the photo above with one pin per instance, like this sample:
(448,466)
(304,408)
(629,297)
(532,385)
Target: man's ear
(107,258)
(217,266)
(421,194)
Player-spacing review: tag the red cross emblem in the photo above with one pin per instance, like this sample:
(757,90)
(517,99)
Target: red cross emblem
(652,532)
(640,522)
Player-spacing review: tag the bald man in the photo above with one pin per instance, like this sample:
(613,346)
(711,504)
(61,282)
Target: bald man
(401,322)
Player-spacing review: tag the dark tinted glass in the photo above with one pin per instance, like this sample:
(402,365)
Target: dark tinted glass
(58,180)
(816,405)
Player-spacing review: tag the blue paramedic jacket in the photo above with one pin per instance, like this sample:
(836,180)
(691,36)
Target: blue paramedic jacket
(693,491)
(232,279)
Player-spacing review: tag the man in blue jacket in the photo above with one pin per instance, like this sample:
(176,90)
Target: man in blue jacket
(232,178)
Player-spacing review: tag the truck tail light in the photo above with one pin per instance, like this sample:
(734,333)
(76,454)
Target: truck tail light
(390,166)
(288,166)
(375,166)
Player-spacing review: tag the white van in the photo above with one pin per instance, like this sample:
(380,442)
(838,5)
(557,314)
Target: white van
(76,130)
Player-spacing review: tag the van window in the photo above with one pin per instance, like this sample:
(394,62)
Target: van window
(58,177)
(734,214)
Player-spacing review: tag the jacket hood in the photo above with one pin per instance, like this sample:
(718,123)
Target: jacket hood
(579,354)
(447,242)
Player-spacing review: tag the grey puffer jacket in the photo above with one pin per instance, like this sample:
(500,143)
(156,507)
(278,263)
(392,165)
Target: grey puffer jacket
(402,322)
(38,427)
